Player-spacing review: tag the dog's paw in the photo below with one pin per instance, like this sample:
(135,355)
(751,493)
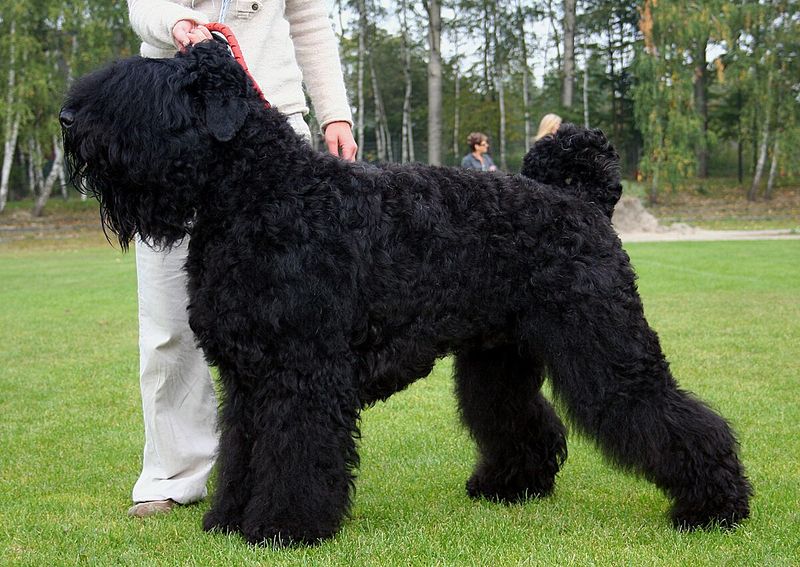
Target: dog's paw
(509,488)
(720,500)
(726,516)
(278,537)
(216,522)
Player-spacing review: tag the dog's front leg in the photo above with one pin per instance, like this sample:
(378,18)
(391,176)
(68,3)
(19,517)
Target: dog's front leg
(303,454)
(232,492)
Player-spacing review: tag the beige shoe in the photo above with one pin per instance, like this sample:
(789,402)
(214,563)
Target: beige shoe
(146,509)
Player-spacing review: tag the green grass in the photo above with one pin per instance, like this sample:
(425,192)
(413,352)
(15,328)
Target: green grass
(71,436)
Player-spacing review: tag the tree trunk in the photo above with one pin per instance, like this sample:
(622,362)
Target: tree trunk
(501,102)
(701,106)
(525,77)
(456,114)
(407,138)
(380,139)
(456,99)
(12,121)
(9,148)
(381,123)
(568,72)
(762,151)
(556,40)
(55,172)
(585,84)
(488,78)
(616,128)
(62,180)
(653,196)
(35,166)
(433,8)
(762,158)
(739,151)
(362,56)
(773,169)
(499,67)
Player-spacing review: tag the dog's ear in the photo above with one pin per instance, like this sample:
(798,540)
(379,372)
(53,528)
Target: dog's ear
(221,86)
(224,116)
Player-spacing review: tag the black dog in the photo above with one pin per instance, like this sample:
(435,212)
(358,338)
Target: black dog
(319,286)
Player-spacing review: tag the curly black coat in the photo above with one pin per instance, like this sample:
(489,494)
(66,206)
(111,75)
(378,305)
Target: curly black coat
(319,286)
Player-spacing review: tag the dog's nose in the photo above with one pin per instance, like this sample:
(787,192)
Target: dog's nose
(67,118)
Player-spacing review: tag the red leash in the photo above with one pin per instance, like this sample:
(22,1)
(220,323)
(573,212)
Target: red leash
(223,32)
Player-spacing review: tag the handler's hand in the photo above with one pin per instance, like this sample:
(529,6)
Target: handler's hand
(188,32)
(339,137)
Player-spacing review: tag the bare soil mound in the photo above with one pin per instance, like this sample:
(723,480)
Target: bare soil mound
(630,216)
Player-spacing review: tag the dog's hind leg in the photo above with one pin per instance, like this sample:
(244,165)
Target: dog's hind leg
(303,453)
(607,366)
(521,441)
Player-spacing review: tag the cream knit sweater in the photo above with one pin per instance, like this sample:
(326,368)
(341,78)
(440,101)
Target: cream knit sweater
(278,38)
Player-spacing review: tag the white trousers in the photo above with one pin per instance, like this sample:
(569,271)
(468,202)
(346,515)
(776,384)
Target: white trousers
(178,400)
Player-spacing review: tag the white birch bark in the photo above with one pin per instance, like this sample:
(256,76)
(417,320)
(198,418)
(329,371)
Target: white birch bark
(381,122)
(585,84)
(525,78)
(12,122)
(434,10)
(406,137)
(762,150)
(568,85)
(35,166)
(773,169)
(362,49)
(9,147)
(501,101)
(762,159)
(55,172)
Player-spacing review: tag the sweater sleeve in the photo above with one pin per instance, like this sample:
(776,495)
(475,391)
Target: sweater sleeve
(317,53)
(153,20)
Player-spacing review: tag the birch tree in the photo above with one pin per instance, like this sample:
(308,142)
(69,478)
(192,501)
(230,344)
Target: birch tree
(56,172)
(407,130)
(12,117)
(434,10)
(568,71)
(362,58)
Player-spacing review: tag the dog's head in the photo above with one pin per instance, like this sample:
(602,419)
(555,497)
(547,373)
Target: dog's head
(139,135)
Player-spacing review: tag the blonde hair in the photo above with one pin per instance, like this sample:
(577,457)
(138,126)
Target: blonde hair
(549,125)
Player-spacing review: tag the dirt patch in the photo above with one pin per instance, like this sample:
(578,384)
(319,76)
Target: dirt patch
(62,226)
(631,216)
(727,207)
(634,223)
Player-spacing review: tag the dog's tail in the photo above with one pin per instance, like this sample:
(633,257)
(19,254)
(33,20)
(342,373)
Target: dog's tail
(579,160)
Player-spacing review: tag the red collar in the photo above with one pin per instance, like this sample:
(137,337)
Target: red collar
(222,31)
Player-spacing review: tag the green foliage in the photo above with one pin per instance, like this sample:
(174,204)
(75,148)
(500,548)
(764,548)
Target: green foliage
(642,68)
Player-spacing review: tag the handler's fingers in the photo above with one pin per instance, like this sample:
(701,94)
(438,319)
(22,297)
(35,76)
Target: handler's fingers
(196,36)
(202,30)
(333,145)
(339,138)
(349,151)
(180,34)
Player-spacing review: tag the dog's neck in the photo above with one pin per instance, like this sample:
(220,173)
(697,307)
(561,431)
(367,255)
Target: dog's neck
(263,155)
(279,148)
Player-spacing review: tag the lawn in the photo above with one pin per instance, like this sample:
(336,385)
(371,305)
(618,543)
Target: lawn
(71,437)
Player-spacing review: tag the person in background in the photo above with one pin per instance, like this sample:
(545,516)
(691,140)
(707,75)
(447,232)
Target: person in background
(285,44)
(478,158)
(549,125)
